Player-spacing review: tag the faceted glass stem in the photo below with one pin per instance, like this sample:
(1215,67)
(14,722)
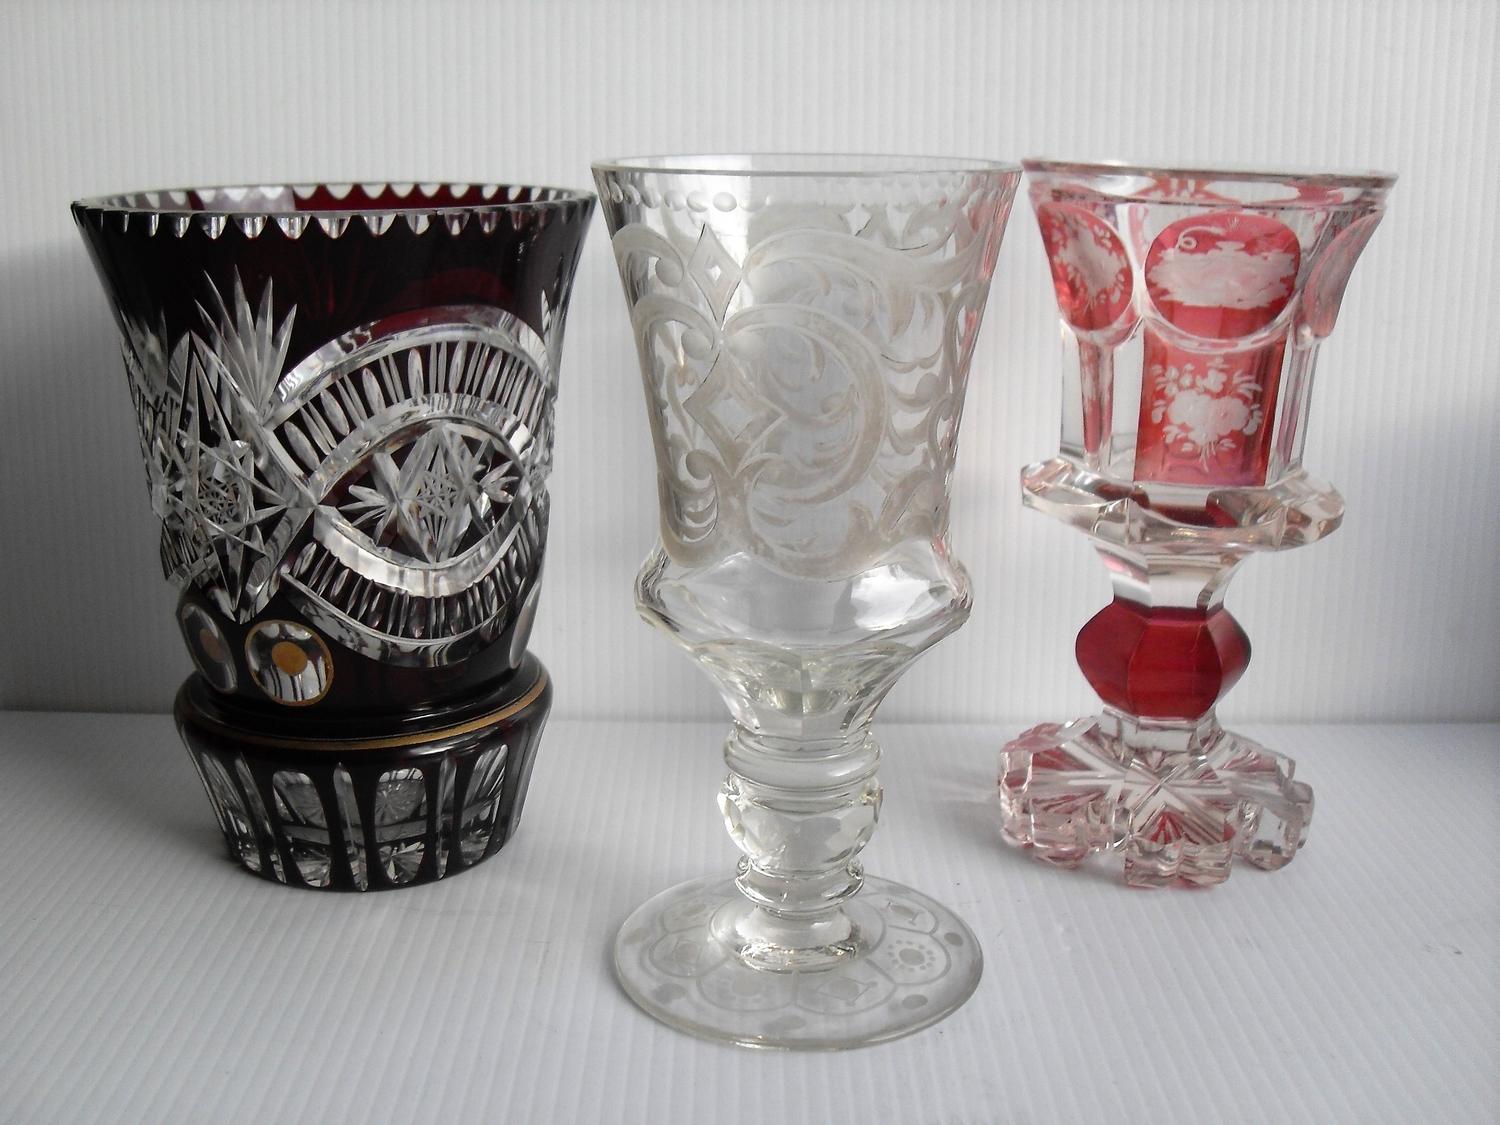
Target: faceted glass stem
(799,949)
(800,813)
(1156,777)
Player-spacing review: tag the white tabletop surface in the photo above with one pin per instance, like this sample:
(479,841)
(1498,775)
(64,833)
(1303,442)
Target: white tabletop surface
(143,977)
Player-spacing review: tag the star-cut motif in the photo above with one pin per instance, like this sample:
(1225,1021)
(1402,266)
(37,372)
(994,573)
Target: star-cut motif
(437,494)
(221,499)
(439,490)
(1159,796)
(1178,814)
(223,496)
(200,404)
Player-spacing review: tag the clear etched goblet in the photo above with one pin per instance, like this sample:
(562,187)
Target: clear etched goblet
(1193,303)
(804,326)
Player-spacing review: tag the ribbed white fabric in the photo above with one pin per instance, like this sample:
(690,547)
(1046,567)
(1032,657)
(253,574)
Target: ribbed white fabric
(143,977)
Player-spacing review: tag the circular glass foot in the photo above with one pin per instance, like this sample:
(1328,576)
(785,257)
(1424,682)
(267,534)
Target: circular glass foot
(915,963)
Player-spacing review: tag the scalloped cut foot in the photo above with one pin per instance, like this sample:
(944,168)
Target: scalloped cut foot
(1178,817)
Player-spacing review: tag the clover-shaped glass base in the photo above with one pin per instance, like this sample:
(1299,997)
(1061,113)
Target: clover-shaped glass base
(912,962)
(1177,814)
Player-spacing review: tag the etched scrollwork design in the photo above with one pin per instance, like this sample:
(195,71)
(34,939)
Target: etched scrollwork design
(805,364)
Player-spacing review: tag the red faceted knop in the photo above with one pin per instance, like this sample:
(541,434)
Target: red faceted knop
(1162,663)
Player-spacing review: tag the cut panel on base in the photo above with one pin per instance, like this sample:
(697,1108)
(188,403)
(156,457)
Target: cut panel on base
(394,808)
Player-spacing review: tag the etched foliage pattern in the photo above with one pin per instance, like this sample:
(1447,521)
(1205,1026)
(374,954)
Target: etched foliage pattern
(393,481)
(805,362)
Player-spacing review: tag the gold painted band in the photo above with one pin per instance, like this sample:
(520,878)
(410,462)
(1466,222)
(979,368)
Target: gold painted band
(420,738)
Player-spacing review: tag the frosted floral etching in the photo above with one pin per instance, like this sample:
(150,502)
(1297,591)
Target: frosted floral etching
(1219,276)
(1090,270)
(1203,407)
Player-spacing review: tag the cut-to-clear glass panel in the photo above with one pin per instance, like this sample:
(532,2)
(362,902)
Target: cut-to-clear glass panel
(401,822)
(208,647)
(447,775)
(261,821)
(305,825)
(482,803)
(225,799)
(352,826)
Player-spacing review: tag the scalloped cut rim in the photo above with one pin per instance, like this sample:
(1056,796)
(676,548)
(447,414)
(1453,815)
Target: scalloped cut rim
(252,199)
(850,165)
(1361,178)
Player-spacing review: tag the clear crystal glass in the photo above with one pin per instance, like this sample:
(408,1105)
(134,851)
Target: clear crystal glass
(804,326)
(345,396)
(1193,303)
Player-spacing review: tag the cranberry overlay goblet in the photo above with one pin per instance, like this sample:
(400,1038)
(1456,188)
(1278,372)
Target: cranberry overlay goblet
(1193,303)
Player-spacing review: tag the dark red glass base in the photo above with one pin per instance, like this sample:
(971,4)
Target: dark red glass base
(372,805)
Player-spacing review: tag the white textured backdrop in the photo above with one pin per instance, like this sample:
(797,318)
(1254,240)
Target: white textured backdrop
(1392,618)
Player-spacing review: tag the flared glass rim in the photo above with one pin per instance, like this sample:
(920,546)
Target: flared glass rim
(414,197)
(1319,177)
(805,165)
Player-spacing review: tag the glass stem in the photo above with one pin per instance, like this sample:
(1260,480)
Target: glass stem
(801,811)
